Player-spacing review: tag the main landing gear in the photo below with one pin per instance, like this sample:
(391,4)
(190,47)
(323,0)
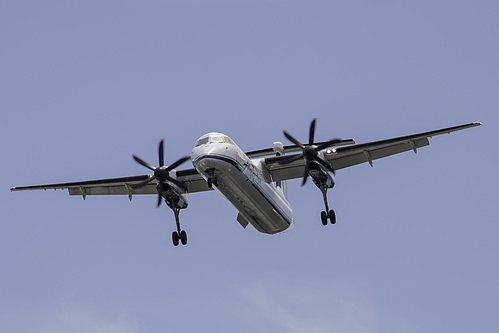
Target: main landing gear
(179,235)
(327,214)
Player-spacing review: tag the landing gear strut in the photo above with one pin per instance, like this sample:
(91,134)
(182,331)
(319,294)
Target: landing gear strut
(327,214)
(179,234)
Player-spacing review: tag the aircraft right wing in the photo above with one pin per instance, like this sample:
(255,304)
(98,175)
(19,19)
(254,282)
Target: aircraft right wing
(344,157)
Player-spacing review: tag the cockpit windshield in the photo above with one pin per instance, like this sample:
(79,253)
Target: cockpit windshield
(201,141)
(220,139)
(215,138)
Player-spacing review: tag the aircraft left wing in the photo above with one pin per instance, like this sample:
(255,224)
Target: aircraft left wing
(122,186)
(346,156)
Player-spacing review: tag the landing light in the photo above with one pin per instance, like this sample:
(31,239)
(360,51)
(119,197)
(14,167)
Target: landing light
(330,151)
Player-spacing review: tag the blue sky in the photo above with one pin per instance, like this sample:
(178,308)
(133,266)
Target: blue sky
(86,84)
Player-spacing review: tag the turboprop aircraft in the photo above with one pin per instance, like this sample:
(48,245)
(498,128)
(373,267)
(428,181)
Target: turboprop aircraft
(253,182)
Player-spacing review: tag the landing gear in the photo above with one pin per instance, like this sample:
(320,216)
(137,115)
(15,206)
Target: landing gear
(212,181)
(182,237)
(324,218)
(175,238)
(179,234)
(327,214)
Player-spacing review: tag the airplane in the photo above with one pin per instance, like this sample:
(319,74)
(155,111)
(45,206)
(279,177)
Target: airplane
(254,182)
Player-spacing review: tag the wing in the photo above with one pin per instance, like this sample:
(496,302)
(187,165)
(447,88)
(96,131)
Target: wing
(122,186)
(343,157)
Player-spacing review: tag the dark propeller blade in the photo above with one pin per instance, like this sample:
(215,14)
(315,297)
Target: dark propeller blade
(161,153)
(290,138)
(290,158)
(325,164)
(329,144)
(311,134)
(305,173)
(140,161)
(160,193)
(144,183)
(177,163)
(177,183)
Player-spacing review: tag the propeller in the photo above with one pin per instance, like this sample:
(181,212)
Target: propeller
(161,173)
(310,151)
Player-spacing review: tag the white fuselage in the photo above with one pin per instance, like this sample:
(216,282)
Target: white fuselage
(241,182)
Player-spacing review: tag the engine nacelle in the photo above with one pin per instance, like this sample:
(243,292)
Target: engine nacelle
(173,197)
(321,177)
(330,179)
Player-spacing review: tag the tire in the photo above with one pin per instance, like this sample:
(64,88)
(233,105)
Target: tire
(175,238)
(332,217)
(183,237)
(324,218)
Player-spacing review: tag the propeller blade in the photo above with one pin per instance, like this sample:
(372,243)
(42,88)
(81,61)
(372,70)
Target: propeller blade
(143,163)
(143,183)
(324,164)
(161,153)
(160,192)
(177,163)
(177,183)
(311,134)
(290,158)
(305,173)
(290,138)
(328,144)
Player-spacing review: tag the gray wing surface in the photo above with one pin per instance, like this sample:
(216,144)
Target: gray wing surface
(122,186)
(347,156)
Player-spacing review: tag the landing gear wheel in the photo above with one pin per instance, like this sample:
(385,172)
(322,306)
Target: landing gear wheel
(324,218)
(175,238)
(332,217)
(183,237)
(212,181)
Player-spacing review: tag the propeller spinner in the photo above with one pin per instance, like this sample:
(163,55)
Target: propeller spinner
(161,173)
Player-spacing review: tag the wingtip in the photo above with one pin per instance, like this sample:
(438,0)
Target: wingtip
(478,123)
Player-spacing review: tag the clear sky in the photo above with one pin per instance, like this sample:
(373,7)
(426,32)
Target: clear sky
(84,84)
